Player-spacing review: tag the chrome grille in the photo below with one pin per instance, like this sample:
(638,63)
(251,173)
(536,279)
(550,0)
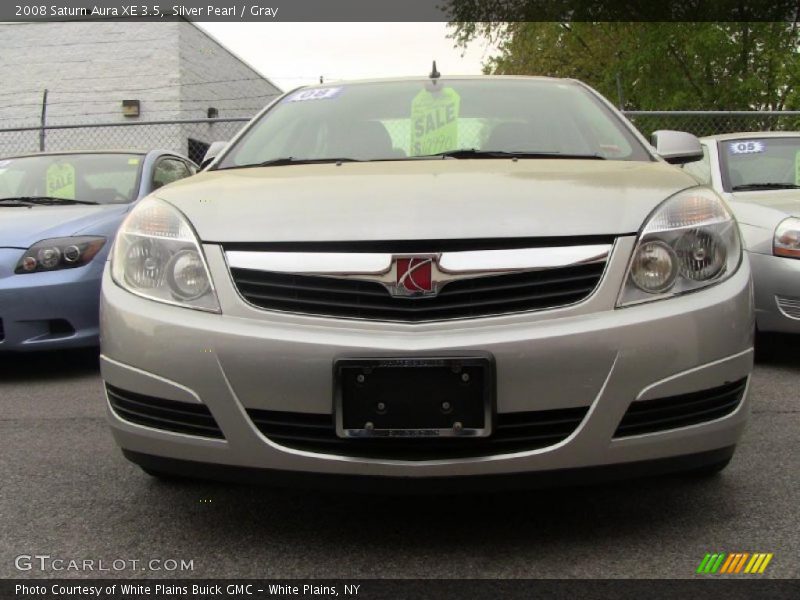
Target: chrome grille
(482,296)
(461,284)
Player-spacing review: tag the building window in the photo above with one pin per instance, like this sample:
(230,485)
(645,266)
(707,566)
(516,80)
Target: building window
(197,150)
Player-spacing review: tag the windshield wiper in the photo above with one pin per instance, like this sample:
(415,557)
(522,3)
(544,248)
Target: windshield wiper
(464,153)
(14,202)
(475,153)
(290,160)
(765,186)
(47,200)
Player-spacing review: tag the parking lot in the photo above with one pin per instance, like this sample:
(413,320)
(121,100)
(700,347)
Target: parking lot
(67,492)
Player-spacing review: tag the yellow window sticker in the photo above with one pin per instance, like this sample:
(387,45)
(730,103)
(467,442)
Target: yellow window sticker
(434,121)
(797,168)
(133,161)
(61,181)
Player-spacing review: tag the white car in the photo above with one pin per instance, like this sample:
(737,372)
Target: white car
(758,173)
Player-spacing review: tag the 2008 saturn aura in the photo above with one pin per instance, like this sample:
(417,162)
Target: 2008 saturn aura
(431,280)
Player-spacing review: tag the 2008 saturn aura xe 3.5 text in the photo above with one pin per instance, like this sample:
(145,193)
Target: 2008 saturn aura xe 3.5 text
(431,280)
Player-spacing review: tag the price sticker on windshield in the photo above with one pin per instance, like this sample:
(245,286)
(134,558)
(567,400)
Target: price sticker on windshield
(751,147)
(60,179)
(314,94)
(434,121)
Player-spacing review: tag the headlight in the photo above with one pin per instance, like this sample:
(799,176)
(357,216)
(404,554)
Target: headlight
(59,253)
(690,242)
(787,238)
(157,255)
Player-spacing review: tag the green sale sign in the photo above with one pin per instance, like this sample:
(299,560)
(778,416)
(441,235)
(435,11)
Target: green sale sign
(434,121)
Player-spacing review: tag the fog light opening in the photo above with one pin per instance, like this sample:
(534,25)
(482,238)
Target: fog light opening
(60,328)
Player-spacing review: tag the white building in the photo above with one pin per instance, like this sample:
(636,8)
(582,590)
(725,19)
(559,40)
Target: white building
(175,70)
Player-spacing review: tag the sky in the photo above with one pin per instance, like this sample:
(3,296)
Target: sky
(293,54)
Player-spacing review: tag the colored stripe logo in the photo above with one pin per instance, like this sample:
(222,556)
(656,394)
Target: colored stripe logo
(734,562)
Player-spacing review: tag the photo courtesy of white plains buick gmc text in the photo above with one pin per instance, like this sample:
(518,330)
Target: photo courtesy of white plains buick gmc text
(431,281)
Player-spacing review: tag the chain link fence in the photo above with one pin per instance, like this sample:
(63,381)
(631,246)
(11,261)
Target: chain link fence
(192,137)
(708,122)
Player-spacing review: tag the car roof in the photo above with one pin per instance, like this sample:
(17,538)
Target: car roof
(750,134)
(158,151)
(422,78)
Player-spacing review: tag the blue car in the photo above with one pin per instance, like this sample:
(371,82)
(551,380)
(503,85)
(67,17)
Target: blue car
(59,213)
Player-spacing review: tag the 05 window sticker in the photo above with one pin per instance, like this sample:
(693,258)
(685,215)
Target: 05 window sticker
(314,94)
(748,147)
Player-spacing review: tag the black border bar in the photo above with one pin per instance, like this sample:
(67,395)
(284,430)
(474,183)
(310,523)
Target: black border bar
(495,11)
(699,587)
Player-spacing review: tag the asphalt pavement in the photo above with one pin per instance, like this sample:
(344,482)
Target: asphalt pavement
(67,492)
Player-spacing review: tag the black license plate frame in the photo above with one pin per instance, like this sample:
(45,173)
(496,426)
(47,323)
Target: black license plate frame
(427,397)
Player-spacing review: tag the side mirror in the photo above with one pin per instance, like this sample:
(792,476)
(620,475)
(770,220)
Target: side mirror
(677,147)
(213,151)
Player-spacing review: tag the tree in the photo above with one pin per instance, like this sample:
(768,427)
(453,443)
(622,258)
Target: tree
(656,65)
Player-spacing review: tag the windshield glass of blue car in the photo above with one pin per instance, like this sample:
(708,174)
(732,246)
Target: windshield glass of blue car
(64,179)
(436,119)
(760,164)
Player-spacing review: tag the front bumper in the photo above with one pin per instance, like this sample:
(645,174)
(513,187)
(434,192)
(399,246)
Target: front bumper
(776,282)
(48,311)
(586,355)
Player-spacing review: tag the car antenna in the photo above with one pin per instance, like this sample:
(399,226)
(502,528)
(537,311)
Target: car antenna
(434,73)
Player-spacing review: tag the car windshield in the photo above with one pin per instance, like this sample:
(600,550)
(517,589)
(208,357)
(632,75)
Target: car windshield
(109,178)
(413,119)
(756,164)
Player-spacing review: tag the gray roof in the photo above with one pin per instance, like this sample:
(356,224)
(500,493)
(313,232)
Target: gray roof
(751,134)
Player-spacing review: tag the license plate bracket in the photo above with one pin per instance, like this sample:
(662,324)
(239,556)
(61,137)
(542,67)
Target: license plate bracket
(414,397)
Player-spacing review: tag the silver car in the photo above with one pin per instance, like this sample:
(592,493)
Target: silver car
(431,281)
(758,174)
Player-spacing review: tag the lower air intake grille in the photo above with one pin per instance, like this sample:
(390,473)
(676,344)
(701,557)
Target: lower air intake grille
(514,432)
(649,416)
(789,306)
(481,296)
(180,417)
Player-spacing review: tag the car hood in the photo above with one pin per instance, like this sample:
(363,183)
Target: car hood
(785,201)
(22,227)
(425,199)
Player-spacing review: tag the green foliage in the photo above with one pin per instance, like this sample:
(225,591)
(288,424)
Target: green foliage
(656,65)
